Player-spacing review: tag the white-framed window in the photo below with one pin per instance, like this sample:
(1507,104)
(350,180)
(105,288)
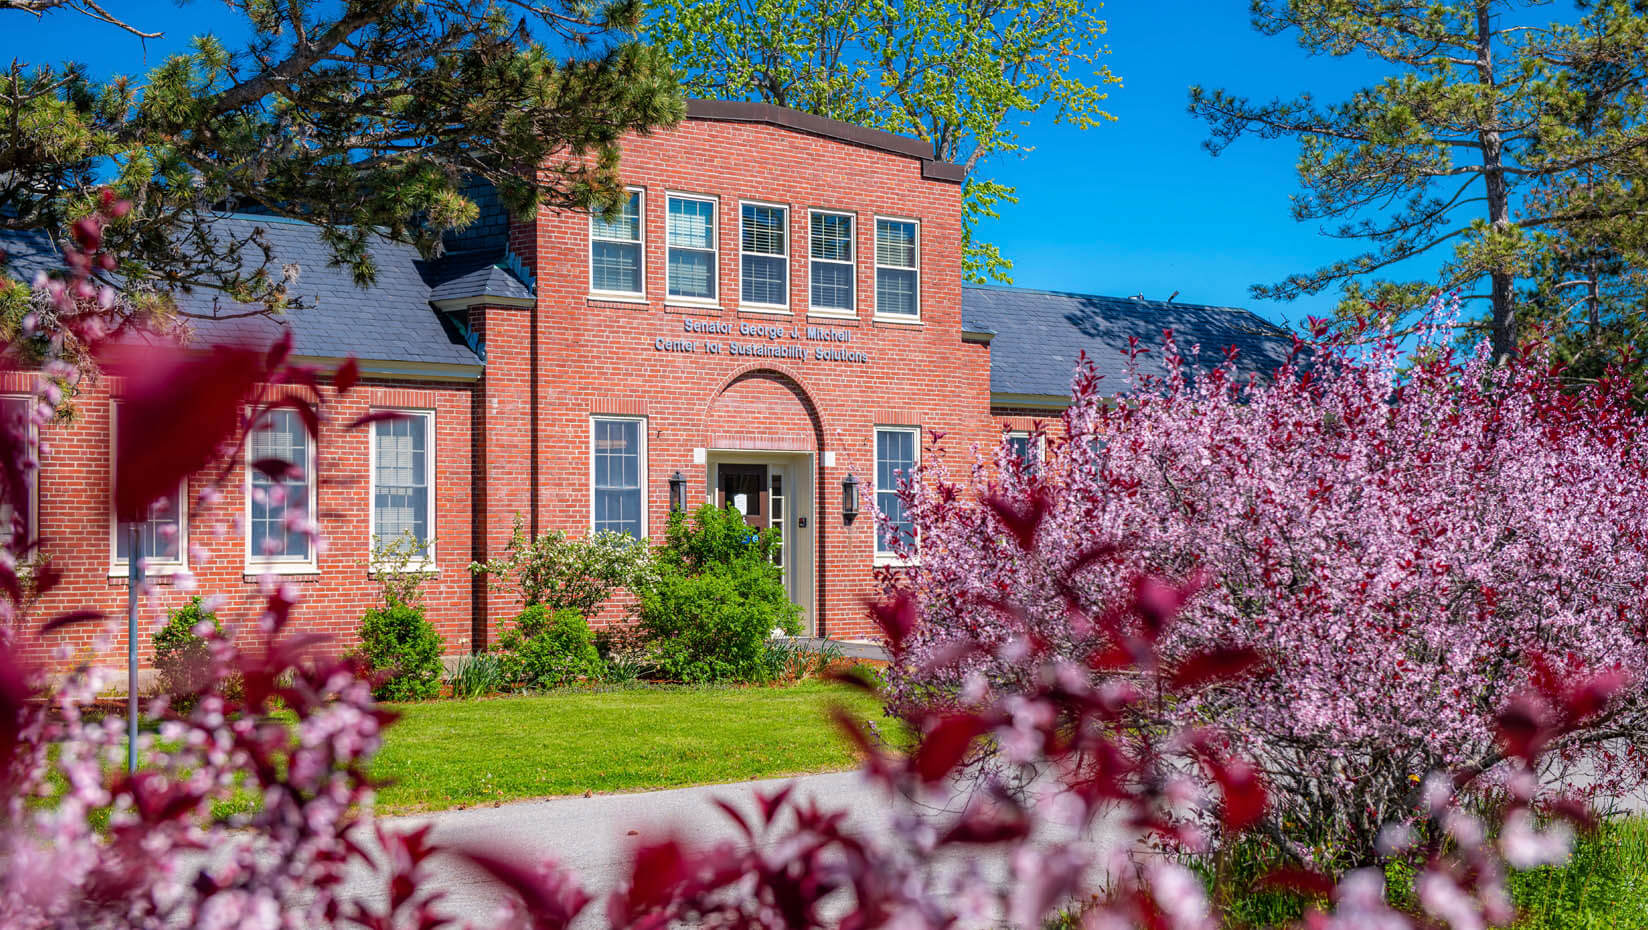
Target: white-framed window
(277,510)
(897,450)
(1024,449)
(17,418)
(163,537)
(764,255)
(898,268)
(403,479)
(618,475)
(617,249)
(691,243)
(830,267)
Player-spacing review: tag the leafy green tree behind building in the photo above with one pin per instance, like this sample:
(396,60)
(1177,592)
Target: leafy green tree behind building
(363,116)
(1494,139)
(962,75)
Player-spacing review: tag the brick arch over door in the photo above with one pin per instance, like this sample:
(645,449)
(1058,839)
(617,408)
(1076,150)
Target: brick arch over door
(768,409)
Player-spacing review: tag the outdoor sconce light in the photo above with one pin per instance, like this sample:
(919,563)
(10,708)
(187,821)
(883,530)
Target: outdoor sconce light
(849,498)
(678,492)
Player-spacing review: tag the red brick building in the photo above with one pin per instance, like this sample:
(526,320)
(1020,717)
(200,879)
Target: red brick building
(778,313)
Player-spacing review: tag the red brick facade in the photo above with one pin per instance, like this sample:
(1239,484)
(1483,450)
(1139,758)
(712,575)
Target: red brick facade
(517,443)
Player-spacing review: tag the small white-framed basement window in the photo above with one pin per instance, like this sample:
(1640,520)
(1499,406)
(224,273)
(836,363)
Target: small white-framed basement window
(764,256)
(831,270)
(618,475)
(277,510)
(1025,449)
(898,268)
(402,468)
(897,450)
(617,250)
(163,537)
(692,242)
(17,417)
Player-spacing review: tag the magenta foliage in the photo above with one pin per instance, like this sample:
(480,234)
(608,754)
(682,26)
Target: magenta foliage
(1394,544)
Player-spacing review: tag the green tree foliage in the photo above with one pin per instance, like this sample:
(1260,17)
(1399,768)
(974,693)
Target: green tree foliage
(962,75)
(716,598)
(362,116)
(571,573)
(182,656)
(547,649)
(1466,151)
(403,651)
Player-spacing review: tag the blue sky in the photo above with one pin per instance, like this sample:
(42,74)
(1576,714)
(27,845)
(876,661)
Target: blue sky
(1134,206)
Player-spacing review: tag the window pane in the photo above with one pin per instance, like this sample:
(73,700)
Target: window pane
(400,478)
(615,267)
(618,468)
(161,535)
(691,273)
(691,223)
(625,225)
(832,286)
(895,459)
(14,419)
(763,229)
(896,243)
(766,280)
(832,237)
(282,437)
(895,292)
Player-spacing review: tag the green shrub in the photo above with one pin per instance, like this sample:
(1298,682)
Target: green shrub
(715,599)
(182,655)
(569,573)
(477,675)
(403,647)
(547,649)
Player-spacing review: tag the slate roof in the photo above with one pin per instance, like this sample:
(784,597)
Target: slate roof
(331,316)
(1039,334)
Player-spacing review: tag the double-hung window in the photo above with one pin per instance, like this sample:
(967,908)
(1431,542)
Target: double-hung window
(896,449)
(898,264)
(1024,449)
(690,231)
(618,475)
(830,249)
(403,480)
(278,509)
(616,251)
(764,255)
(16,418)
(161,536)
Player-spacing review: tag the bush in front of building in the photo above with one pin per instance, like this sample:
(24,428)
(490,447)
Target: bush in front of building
(182,655)
(548,649)
(715,599)
(564,572)
(403,651)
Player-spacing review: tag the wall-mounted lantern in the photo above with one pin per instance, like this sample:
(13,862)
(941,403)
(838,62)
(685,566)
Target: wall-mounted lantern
(849,498)
(678,492)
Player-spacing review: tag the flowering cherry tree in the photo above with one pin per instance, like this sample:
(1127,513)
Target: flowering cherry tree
(83,844)
(1397,551)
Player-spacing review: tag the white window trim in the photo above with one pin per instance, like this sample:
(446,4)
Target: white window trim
(29,402)
(641,243)
(643,472)
(789,250)
(432,551)
(151,567)
(676,300)
(256,562)
(883,556)
(876,257)
(850,313)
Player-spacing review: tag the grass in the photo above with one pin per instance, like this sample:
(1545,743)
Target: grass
(1602,887)
(446,754)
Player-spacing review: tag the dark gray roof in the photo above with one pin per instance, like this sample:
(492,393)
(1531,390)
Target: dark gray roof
(1040,334)
(331,316)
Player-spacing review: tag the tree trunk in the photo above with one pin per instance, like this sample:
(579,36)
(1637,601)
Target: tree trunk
(1501,336)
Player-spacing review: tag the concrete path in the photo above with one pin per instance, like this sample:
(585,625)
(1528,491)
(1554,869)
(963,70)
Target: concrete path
(848,649)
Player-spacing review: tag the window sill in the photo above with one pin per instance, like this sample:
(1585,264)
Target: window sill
(119,571)
(639,299)
(428,569)
(886,560)
(764,310)
(898,320)
(683,303)
(254,570)
(832,315)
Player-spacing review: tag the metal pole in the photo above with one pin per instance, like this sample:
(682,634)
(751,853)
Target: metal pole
(134,573)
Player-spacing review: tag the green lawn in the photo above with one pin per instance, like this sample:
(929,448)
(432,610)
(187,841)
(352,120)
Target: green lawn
(445,754)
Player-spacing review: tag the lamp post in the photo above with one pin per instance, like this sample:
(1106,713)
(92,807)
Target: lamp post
(849,498)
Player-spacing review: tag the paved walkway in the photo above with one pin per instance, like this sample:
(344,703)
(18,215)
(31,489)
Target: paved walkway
(848,649)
